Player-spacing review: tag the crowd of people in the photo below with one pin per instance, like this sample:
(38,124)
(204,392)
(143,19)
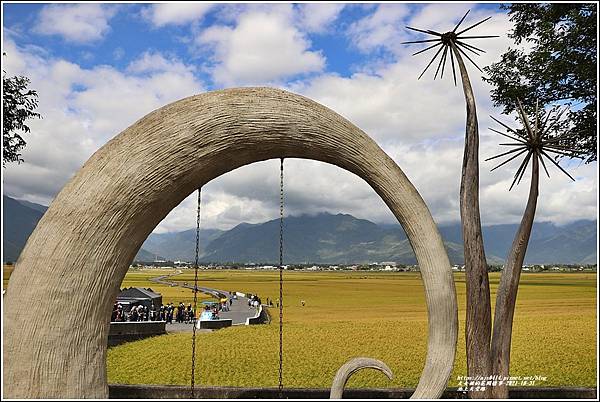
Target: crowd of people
(254,301)
(180,313)
(168,313)
(211,311)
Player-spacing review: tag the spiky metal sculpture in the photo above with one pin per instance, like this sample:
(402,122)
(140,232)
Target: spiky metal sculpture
(478,316)
(450,41)
(532,142)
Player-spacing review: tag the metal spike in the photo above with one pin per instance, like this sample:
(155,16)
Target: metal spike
(543,127)
(479,36)
(506,127)
(564,153)
(508,160)
(504,153)
(471,46)
(512,144)
(516,176)
(467,48)
(427,48)
(468,58)
(440,64)
(434,57)
(427,32)
(557,165)
(420,41)
(474,25)
(452,61)
(444,63)
(524,168)
(562,147)
(508,136)
(461,20)
(539,156)
(524,118)
(521,168)
(557,118)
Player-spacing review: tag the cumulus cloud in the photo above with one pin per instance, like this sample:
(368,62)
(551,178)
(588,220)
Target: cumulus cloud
(317,17)
(262,47)
(382,28)
(150,62)
(82,109)
(81,23)
(162,14)
(419,123)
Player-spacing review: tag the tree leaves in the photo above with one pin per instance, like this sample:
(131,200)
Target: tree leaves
(18,104)
(559,68)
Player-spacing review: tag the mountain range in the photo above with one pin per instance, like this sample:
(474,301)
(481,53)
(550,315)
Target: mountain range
(327,239)
(19,218)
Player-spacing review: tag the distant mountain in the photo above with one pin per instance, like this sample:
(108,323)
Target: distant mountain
(19,218)
(328,239)
(18,221)
(146,256)
(573,243)
(322,238)
(179,245)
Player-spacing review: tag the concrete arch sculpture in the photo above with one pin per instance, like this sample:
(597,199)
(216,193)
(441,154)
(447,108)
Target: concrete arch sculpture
(81,249)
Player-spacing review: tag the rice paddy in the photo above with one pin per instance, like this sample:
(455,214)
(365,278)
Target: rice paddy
(349,314)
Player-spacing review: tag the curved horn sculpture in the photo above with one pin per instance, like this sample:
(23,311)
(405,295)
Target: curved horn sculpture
(352,366)
(80,251)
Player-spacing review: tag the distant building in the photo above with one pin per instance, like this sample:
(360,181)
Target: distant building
(135,296)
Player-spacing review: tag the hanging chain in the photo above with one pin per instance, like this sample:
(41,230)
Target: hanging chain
(193,383)
(281,280)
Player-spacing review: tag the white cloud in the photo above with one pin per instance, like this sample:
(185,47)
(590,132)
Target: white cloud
(118,53)
(162,14)
(82,109)
(79,23)
(382,28)
(419,123)
(317,17)
(156,62)
(262,47)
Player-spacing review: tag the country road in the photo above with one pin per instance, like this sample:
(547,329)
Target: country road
(238,313)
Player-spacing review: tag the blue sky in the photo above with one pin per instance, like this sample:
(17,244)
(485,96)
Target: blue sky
(99,67)
(131,34)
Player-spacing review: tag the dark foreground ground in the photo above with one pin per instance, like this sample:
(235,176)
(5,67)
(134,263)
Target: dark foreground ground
(118,391)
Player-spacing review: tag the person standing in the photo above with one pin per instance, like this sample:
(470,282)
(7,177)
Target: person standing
(170,313)
(113,316)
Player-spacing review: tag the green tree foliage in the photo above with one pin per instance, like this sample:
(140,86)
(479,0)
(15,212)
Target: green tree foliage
(18,105)
(555,62)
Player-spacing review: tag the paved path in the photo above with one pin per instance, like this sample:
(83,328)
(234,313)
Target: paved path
(239,309)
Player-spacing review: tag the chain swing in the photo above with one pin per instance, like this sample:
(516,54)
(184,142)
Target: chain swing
(193,383)
(196,261)
(281,279)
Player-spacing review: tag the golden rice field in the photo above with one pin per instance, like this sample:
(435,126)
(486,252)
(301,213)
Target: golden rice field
(348,314)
